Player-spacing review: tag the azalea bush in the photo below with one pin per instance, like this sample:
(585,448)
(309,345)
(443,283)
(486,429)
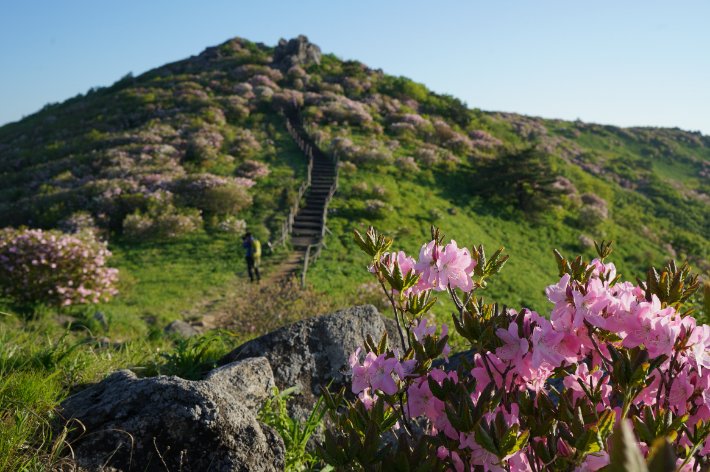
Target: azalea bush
(542,393)
(54,267)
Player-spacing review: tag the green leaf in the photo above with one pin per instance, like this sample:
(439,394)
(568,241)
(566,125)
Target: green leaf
(642,430)
(521,441)
(436,389)
(625,455)
(507,442)
(543,429)
(453,418)
(639,375)
(485,441)
(382,346)
(661,456)
(606,423)
(588,441)
(367,248)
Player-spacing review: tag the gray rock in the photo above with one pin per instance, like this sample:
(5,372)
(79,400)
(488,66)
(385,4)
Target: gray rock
(101,318)
(297,52)
(181,328)
(249,381)
(64,320)
(196,426)
(313,352)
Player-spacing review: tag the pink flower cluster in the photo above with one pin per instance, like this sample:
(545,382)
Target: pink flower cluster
(54,267)
(588,320)
(334,107)
(254,169)
(483,140)
(406,164)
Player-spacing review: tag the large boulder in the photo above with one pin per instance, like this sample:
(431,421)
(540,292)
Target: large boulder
(128,424)
(249,381)
(296,52)
(316,351)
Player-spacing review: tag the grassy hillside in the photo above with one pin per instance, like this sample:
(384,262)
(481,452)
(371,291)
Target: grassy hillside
(159,147)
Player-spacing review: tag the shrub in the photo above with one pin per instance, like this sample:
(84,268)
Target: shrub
(78,222)
(347,168)
(377,208)
(427,155)
(296,72)
(54,267)
(245,143)
(254,169)
(205,144)
(225,200)
(406,165)
(233,226)
(594,211)
(169,224)
(359,188)
(618,352)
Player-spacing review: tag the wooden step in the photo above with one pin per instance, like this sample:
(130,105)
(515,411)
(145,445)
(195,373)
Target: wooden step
(307,231)
(298,222)
(303,241)
(309,218)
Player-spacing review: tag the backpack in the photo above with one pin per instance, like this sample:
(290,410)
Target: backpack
(255,248)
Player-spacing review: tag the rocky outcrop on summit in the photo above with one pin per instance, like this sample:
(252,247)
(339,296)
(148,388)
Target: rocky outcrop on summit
(313,352)
(129,424)
(296,52)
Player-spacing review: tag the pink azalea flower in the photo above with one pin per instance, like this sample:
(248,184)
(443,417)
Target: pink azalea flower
(421,331)
(572,342)
(639,327)
(594,461)
(366,399)
(440,421)
(480,373)
(362,375)
(515,347)
(589,307)
(381,374)
(698,354)
(664,333)
(428,256)
(545,345)
(419,400)
(355,358)
(404,369)
(443,454)
(681,390)
(591,380)
(558,293)
(454,267)
(481,456)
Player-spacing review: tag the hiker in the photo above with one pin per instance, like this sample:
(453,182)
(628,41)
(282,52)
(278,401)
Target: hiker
(253,248)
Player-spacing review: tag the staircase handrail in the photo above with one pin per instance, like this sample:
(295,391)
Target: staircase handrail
(287,225)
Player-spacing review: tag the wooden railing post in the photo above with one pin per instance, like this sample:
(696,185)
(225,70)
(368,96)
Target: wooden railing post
(305,266)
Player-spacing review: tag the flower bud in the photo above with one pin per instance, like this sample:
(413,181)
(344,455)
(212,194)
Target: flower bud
(562,448)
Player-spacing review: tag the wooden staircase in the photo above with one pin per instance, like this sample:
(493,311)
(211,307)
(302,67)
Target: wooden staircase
(305,227)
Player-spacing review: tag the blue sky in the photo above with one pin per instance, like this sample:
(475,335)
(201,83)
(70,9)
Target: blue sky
(626,63)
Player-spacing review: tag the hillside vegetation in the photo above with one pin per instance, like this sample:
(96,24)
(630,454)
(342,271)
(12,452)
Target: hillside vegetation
(173,165)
